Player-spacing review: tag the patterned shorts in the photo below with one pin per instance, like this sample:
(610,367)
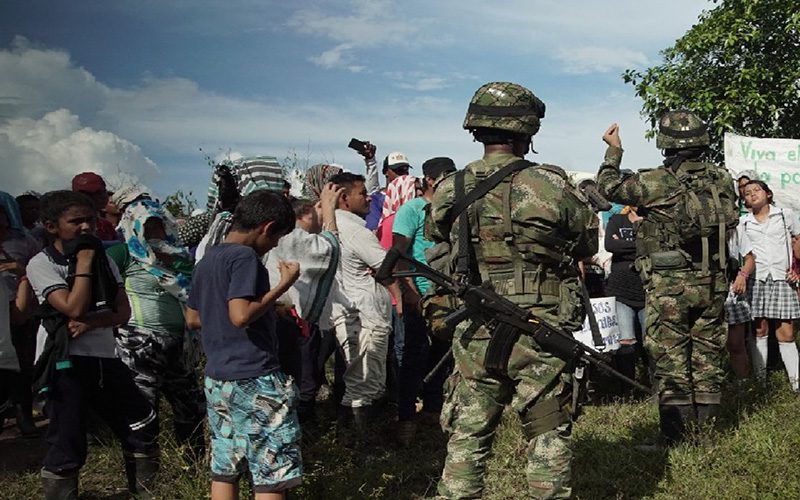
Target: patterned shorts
(737,309)
(253,425)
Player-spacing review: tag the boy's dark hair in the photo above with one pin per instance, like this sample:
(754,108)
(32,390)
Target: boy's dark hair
(302,207)
(24,198)
(55,203)
(3,212)
(263,206)
(347,180)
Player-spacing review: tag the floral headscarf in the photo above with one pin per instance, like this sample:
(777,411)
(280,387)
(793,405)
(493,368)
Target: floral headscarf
(398,191)
(145,251)
(316,178)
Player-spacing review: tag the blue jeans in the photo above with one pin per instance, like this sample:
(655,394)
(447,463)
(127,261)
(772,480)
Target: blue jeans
(627,317)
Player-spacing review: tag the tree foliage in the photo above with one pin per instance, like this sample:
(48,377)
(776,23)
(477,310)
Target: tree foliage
(738,68)
(180,204)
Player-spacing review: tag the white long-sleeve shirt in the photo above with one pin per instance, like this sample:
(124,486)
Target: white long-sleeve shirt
(769,241)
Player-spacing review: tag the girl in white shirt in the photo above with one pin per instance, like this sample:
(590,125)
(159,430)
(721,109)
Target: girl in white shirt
(771,234)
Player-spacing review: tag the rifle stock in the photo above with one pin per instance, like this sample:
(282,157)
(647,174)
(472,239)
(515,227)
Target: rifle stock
(486,306)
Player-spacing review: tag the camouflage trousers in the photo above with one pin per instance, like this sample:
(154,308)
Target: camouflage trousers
(474,405)
(686,333)
(159,365)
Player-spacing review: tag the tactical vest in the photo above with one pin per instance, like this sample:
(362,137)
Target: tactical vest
(512,256)
(692,233)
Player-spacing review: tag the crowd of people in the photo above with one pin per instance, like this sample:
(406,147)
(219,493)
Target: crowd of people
(110,302)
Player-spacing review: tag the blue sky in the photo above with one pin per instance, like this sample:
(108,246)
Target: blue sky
(140,87)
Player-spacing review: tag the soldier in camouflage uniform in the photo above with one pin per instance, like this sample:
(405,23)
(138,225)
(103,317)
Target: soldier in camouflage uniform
(683,271)
(526,236)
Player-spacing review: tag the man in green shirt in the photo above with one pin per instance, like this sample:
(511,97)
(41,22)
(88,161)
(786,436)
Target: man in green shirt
(421,351)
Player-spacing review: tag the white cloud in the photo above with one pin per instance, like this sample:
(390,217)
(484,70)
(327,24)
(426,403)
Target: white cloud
(369,23)
(526,27)
(340,56)
(424,84)
(583,60)
(45,154)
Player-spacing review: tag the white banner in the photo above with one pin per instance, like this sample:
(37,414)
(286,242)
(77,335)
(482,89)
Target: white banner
(605,310)
(777,162)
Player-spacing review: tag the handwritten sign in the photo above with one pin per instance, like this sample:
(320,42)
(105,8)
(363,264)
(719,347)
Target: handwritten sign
(605,310)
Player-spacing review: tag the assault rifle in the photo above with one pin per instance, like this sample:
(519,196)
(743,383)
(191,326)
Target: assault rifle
(506,320)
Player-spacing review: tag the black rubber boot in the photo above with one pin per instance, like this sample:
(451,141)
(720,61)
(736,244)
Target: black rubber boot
(141,473)
(706,413)
(362,416)
(25,423)
(58,487)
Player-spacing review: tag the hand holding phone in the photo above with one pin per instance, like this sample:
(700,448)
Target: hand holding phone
(364,148)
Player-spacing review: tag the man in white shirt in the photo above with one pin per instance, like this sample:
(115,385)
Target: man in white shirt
(364,321)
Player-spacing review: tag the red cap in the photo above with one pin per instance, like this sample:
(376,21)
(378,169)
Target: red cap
(88,182)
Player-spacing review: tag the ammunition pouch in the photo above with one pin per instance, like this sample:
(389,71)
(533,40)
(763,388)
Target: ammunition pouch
(498,352)
(440,313)
(543,417)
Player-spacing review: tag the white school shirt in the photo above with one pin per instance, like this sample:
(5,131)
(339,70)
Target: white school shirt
(47,272)
(770,241)
(360,253)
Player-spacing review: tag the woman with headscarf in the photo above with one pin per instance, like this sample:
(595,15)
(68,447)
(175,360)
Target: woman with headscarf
(157,272)
(228,184)
(317,177)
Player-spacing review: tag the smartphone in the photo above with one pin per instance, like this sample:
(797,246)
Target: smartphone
(357,145)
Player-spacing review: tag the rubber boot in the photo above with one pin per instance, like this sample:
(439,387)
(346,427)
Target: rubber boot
(141,472)
(25,423)
(362,430)
(58,487)
(673,420)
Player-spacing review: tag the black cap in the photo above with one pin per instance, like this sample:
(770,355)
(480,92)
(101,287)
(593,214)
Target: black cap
(436,167)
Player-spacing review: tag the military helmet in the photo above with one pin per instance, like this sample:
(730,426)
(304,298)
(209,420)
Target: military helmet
(681,129)
(505,106)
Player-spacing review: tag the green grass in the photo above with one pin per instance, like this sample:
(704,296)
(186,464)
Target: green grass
(749,454)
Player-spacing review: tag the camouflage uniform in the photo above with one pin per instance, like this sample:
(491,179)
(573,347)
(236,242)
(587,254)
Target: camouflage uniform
(685,326)
(545,209)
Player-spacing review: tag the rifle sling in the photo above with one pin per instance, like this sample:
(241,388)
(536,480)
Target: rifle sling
(597,338)
(483,187)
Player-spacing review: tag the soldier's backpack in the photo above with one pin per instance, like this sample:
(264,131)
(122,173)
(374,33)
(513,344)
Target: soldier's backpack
(706,211)
(438,307)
